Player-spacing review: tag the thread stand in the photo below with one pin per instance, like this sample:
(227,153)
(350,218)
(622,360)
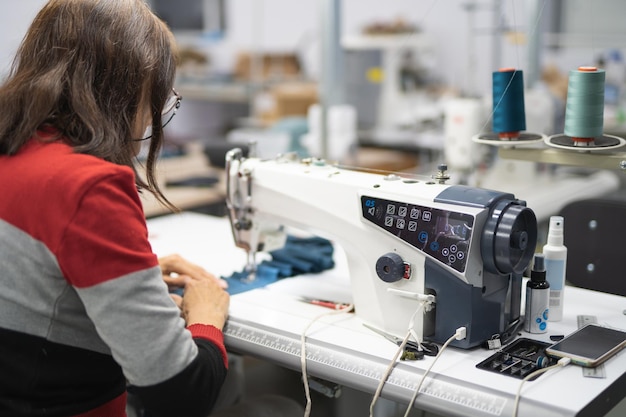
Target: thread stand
(494,139)
(599,160)
(583,139)
(601,143)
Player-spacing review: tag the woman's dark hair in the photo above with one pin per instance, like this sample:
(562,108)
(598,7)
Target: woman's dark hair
(83,68)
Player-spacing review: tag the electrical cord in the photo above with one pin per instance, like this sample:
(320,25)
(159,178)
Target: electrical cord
(458,335)
(501,339)
(560,364)
(409,333)
(382,381)
(305,379)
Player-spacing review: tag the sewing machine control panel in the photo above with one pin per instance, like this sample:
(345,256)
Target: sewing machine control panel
(444,235)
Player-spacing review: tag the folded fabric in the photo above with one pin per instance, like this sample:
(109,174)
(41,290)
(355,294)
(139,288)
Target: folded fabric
(298,256)
(239,281)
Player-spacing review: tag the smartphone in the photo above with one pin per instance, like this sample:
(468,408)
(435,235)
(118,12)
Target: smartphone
(589,346)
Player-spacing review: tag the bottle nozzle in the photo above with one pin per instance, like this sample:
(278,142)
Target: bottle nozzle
(539,263)
(538,272)
(555,231)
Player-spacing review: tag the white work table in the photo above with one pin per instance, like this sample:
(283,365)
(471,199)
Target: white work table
(267,323)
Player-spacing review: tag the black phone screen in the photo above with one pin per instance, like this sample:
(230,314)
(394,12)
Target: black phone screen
(591,341)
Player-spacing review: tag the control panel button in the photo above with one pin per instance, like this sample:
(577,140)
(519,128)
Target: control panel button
(444,235)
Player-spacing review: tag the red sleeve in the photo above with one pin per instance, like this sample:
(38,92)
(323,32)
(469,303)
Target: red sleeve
(212,334)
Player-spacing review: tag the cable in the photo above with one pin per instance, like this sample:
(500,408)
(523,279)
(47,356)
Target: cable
(458,335)
(410,332)
(382,381)
(561,363)
(305,379)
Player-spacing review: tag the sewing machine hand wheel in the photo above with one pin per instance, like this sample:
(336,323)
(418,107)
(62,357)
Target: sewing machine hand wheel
(509,238)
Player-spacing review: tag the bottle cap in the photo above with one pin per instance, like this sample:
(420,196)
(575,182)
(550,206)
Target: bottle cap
(538,273)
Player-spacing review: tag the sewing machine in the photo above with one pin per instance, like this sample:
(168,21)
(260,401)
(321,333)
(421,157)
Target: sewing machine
(423,252)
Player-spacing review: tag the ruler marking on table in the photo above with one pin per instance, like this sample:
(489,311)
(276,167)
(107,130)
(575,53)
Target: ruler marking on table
(340,358)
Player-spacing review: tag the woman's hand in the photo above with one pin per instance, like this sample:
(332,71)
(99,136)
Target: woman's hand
(176,270)
(204,300)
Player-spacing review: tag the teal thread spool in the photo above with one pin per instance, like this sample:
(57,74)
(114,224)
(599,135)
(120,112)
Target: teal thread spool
(584,111)
(509,116)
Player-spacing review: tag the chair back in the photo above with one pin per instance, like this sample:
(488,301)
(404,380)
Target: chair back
(595,236)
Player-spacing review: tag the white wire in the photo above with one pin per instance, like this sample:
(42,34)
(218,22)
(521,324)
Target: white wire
(560,363)
(305,379)
(417,390)
(382,381)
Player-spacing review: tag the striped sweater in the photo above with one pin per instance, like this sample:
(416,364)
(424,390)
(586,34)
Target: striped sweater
(83,308)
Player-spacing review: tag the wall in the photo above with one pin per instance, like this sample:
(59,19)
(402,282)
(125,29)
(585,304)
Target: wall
(287,25)
(464,57)
(15,16)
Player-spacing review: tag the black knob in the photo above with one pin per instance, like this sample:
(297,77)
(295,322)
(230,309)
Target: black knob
(390,267)
(519,240)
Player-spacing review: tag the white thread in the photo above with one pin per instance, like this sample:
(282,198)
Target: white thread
(534,29)
(305,379)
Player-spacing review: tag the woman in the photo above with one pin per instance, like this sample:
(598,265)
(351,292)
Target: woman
(84,310)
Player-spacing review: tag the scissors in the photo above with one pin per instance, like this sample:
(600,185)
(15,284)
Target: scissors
(412,350)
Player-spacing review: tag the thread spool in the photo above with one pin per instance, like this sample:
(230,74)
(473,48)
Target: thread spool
(509,117)
(508,111)
(584,113)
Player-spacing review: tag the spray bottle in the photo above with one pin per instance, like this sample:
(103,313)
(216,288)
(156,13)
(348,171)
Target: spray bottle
(537,298)
(556,260)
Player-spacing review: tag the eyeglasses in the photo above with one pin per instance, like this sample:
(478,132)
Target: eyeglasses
(169,111)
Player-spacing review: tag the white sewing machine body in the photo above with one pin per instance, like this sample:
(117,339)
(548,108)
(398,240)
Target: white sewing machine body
(406,241)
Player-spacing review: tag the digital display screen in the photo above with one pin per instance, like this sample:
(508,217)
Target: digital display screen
(442,234)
